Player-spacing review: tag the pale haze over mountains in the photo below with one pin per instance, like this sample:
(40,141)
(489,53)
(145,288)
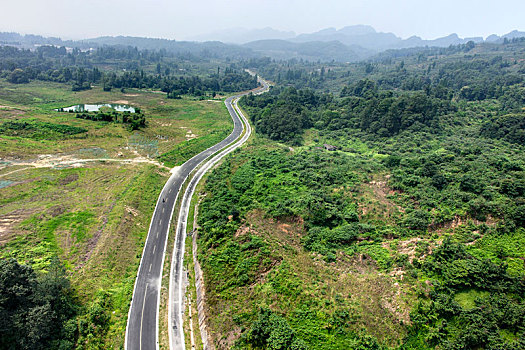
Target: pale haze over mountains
(183,20)
(362,35)
(348,44)
(243,35)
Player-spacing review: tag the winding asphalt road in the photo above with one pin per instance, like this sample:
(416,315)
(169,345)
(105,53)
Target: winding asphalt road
(143,318)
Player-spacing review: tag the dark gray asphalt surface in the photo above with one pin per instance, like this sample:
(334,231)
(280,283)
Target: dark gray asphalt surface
(141,330)
(177,280)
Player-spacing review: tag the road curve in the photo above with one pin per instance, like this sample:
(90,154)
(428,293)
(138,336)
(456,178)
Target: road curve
(176,289)
(143,317)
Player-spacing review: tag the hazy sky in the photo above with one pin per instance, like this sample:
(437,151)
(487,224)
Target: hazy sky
(179,19)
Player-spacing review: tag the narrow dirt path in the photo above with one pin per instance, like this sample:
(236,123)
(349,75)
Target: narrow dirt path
(50,161)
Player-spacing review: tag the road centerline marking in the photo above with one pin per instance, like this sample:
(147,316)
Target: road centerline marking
(177,177)
(142,315)
(176,335)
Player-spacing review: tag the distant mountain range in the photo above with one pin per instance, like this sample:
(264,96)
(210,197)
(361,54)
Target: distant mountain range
(243,35)
(309,50)
(209,49)
(347,44)
(361,35)
(354,43)
(367,37)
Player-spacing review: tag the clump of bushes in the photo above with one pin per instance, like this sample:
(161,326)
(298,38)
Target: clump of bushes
(38,130)
(133,121)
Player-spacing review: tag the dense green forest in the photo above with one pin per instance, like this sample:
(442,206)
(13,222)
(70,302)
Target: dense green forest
(37,310)
(381,204)
(419,148)
(118,67)
(483,70)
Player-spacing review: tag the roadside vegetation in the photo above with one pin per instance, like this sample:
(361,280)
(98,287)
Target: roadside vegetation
(389,214)
(379,205)
(76,198)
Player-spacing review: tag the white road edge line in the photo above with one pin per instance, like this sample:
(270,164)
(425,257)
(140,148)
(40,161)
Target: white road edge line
(142,315)
(166,185)
(140,265)
(198,175)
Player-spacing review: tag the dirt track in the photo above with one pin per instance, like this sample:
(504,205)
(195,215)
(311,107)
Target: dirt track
(56,161)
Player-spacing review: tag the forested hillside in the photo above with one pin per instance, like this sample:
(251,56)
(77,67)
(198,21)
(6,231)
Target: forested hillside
(123,67)
(381,205)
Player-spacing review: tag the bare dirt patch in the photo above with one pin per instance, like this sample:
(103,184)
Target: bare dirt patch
(190,135)
(377,301)
(226,342)
(56,210)
(68,179)
(460,221)
(382,191)
(131,210)
(408,247)
(357,264)
(284,227)
(66,161)
(244,230)
(9,223)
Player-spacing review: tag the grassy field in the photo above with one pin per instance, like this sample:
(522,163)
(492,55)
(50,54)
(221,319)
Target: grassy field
(169,121)
(94,215)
